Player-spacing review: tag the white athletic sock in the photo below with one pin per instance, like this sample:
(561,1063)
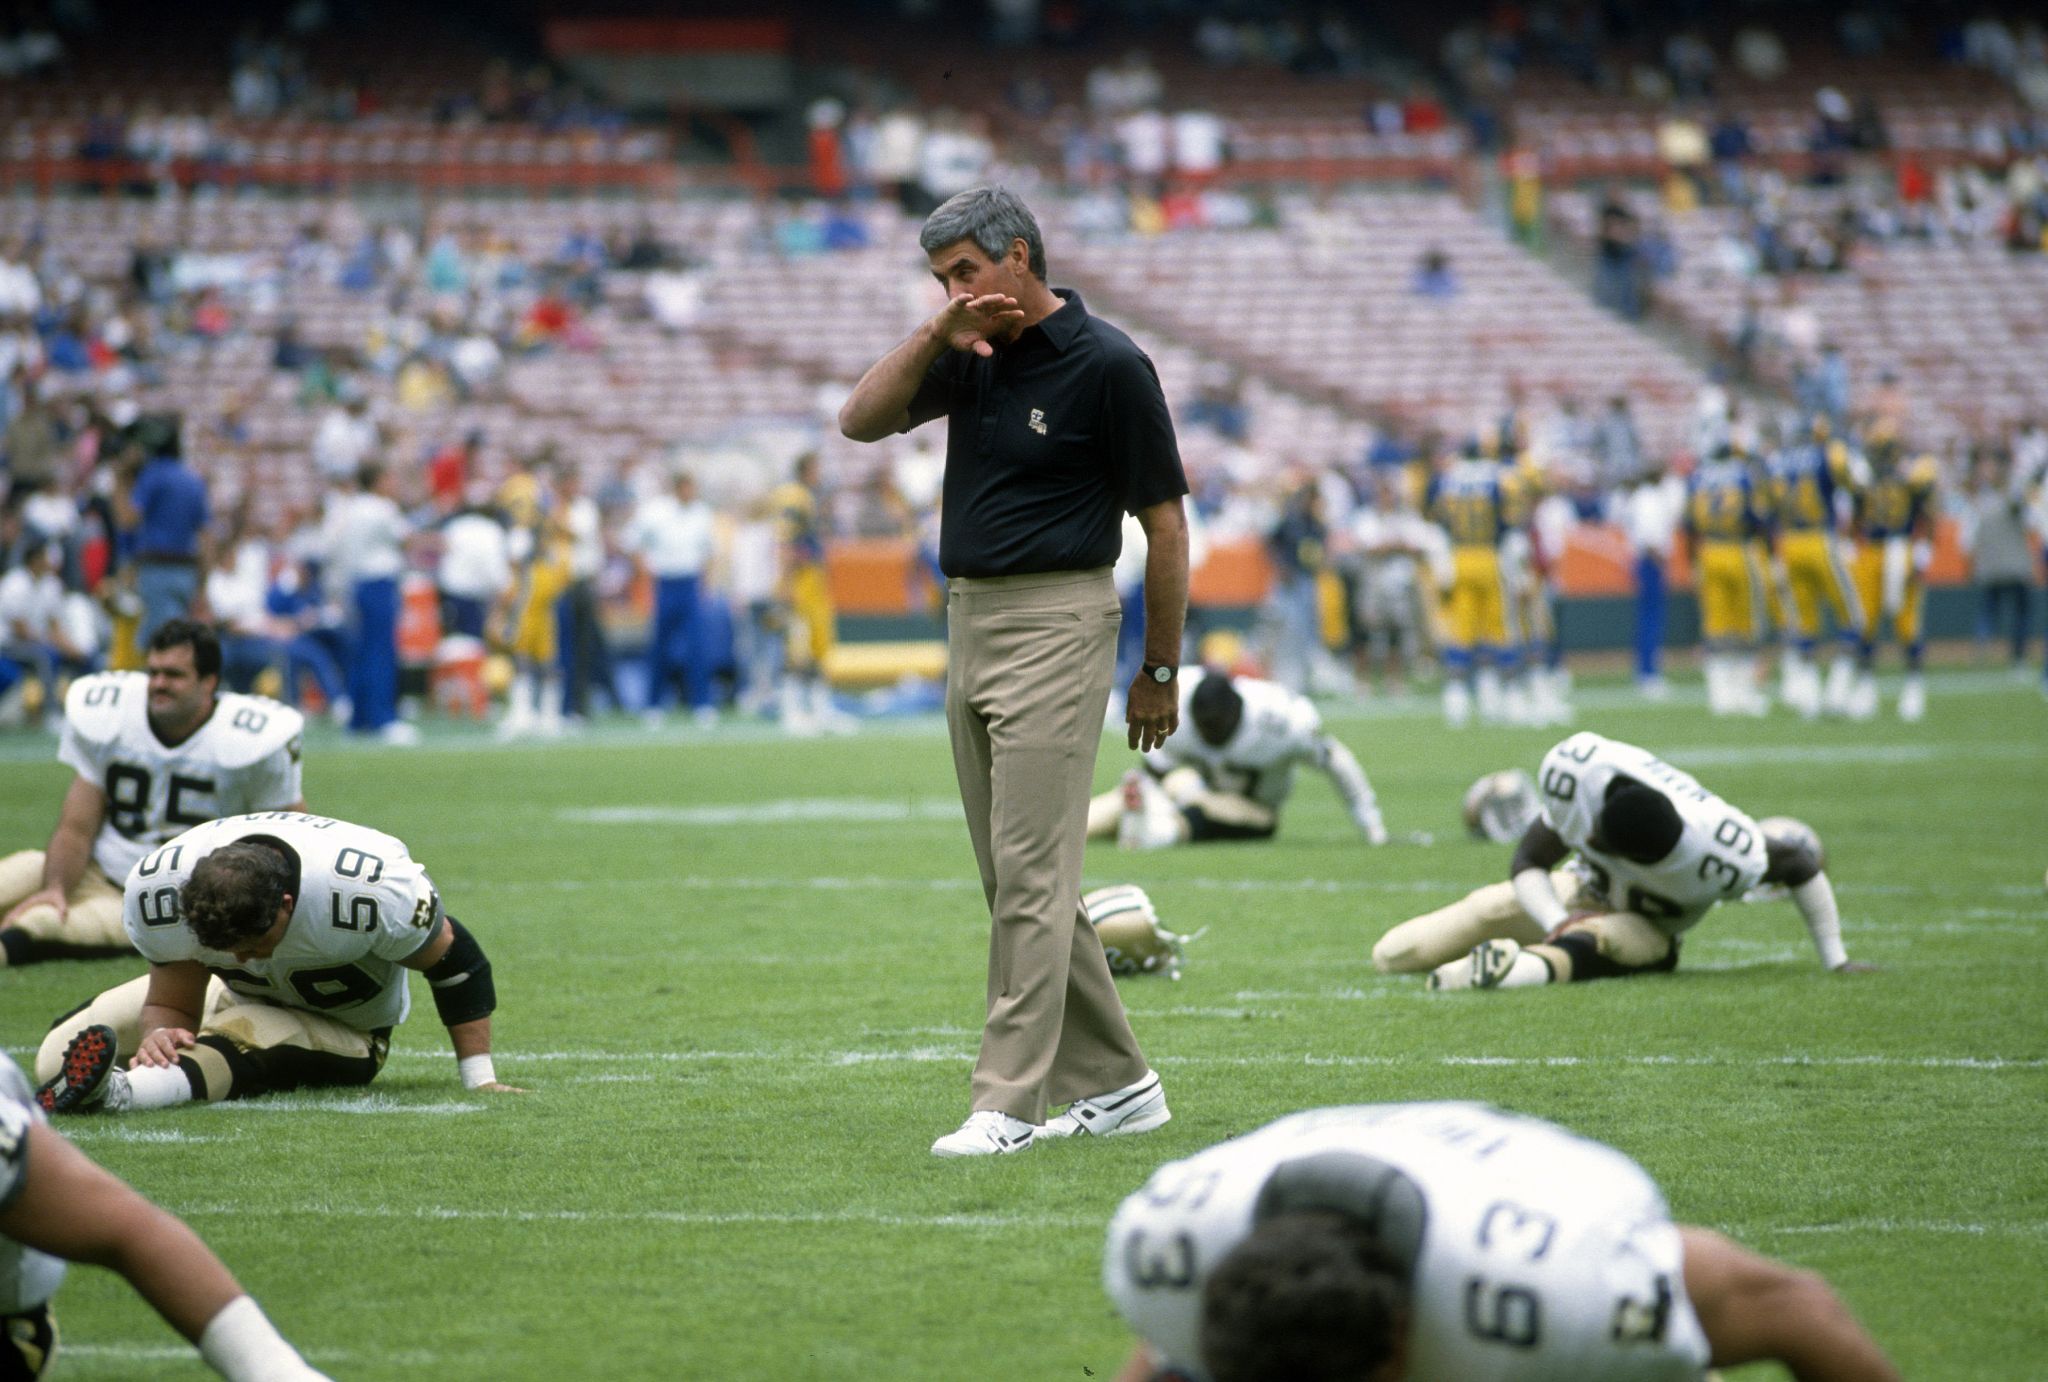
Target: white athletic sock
(156,1086)
(241,1344)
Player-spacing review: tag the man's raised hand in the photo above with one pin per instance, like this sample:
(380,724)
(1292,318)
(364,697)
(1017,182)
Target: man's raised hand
(968,323)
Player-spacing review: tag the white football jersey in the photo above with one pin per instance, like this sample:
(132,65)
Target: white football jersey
(1720,856)
(244,758)
(27,1277)
(362,906)
(1544,1257)
(1279,731)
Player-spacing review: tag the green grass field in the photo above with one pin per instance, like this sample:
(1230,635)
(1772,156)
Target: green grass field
(742,978)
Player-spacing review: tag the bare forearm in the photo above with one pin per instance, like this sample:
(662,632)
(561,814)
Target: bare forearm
(879,403)
(174,1271)
(1166,582)
(65,860)
(156,1017)
(471,1038)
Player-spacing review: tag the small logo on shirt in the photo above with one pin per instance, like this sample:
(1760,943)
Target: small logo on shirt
(1037,422)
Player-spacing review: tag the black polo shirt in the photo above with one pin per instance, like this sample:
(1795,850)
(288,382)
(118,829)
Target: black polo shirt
(1048,444)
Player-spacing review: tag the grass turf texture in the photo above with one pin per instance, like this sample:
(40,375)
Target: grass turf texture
(744,1022)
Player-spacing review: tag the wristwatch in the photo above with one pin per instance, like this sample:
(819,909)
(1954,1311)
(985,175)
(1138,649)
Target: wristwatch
(1160,672)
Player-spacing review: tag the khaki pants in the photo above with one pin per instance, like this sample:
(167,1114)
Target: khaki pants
(1030,661)
(91,923)
(1420,944)
(246,1047)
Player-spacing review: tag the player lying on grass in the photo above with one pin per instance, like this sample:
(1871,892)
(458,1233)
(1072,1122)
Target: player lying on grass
(278,946)
(1655,851)
(155,752)
(57,1206)
(1229,779)
(1448,1243)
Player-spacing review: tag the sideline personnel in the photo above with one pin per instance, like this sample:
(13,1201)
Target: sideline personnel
(1056,428)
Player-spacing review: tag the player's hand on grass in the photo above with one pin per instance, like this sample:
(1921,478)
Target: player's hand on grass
(46,897)
(967,323)
(1854,967)
(500,1087)
(161,1047)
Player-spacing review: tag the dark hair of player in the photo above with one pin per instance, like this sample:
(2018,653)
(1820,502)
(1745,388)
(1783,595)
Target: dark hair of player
(204,642)
(1216,708)
(234,893)
(1310,1296)
(1637,822)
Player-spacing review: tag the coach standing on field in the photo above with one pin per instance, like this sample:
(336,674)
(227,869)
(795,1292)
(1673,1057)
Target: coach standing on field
(1056,427)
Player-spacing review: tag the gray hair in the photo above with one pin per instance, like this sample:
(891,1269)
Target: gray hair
(992,217)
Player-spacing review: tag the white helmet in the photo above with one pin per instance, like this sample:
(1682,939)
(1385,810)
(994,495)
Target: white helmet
(1500,806)
(1786,832)
(1132,938)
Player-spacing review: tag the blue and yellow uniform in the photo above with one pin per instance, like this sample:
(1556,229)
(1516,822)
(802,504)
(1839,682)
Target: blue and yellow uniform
(807,590)
(1472,501)
(1723,515)
(530,620)
(1893,512)
(1805,483)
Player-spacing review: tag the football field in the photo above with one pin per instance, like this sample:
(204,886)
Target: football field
(742,978)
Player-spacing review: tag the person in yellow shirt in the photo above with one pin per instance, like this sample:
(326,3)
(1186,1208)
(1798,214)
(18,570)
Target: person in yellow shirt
(807,595)
(1723,515)
(1894,524)
(1810,484)
(525,625)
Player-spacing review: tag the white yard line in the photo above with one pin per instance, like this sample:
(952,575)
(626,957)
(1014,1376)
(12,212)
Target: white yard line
(681,1218)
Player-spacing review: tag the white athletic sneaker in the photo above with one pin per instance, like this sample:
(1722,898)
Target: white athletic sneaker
(987,1133)
(1484,968)
(1138,1107)
(1913,700)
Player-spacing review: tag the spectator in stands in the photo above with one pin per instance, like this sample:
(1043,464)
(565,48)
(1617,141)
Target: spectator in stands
(366,555)
(1617,265)
(346,437)
(33,442)
(1993,523)
(670,537)
(165,507)
(1434,277)
(33,632)
(1618,450)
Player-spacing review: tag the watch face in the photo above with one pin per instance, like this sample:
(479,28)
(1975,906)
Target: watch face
(1162,674)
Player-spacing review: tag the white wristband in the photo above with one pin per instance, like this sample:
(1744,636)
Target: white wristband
(242,1345)
(477,1072)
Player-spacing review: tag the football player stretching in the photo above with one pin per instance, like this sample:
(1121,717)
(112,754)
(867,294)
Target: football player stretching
(278,946)
(1439,1241)
(1655,851)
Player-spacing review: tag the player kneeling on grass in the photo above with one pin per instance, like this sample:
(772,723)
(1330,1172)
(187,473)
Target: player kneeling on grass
(1655,852)
(57,1206)
(1229,779)
(1448,1243)
(278,946)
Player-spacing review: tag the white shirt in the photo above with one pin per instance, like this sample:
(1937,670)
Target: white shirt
(342,443)
(1278,731)
(366,538)
(754,565)
(31,600)
(1719,856)
(363,905)
(586,538)
(673,538)
(1650,515)
(244,758)
(1539,1256)
(474,562)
